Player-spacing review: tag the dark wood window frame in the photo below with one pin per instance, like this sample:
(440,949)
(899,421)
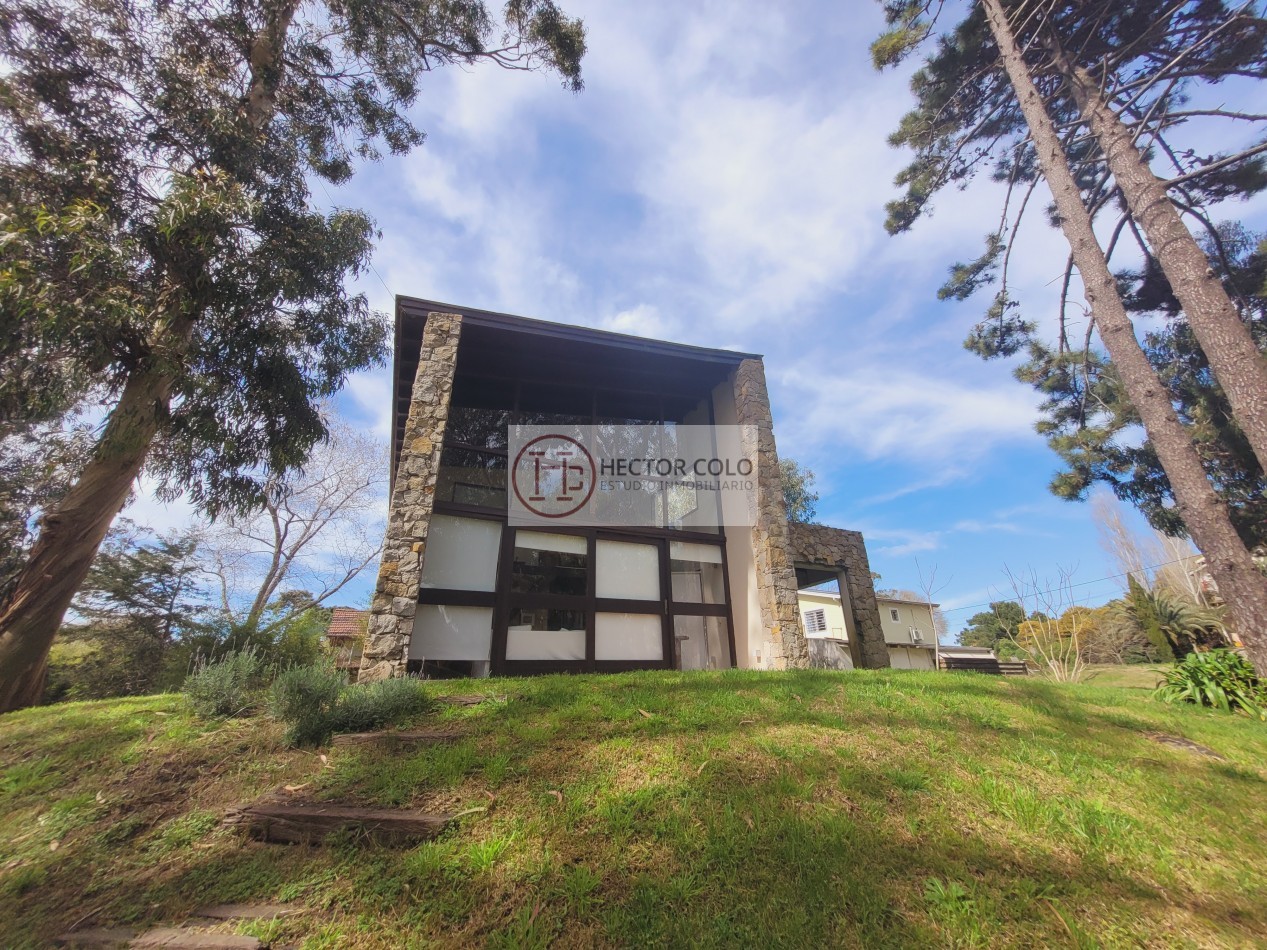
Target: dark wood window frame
(502,600)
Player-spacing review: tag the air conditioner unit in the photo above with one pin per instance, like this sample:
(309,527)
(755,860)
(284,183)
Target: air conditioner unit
(916,635)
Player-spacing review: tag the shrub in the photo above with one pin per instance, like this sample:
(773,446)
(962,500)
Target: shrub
(224,685)
(305,697)
(374,705)
(1218,678)
(316,706)
(302,689)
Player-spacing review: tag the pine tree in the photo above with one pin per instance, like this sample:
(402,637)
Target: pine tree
(1009,87)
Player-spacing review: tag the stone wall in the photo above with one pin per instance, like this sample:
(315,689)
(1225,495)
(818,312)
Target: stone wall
(776,574)
(413,493)
(823,546)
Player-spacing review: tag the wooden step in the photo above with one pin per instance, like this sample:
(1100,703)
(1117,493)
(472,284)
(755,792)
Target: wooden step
(311,824)
(180,938)
(248,911)
(468,700)
(397,738)
(97,937)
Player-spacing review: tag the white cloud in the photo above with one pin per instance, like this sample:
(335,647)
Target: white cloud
(643,320)
(880,410)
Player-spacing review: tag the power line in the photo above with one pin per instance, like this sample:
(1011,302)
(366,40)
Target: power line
(1111,577)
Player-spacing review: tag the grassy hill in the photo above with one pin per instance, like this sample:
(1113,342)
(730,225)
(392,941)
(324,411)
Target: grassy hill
(889,808)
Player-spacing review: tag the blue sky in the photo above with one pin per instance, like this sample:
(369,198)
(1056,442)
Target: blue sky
(721,181)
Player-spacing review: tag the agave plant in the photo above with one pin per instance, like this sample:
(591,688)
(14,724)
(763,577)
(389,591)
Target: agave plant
(1219,678)
(1175,626)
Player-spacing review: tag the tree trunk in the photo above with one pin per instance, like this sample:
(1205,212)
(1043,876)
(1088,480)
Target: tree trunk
(1204,513)
(1225,339)
(71,533)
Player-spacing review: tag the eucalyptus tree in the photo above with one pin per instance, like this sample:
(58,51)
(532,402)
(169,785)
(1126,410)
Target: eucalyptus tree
(1086,97)
(163,263)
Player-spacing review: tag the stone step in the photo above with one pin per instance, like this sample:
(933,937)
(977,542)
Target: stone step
(311,823)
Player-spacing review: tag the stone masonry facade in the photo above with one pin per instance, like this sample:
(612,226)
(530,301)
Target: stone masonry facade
(785,647)
(413,494)
(822,546)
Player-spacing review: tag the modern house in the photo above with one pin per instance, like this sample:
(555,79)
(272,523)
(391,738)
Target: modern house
(909,632)
(465,590)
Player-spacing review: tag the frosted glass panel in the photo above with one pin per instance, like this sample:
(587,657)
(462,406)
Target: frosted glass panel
(628,571)
(703,553)
(628,637)
(701,643)
(451,633)
(461,553)
(696,571)
(563,543)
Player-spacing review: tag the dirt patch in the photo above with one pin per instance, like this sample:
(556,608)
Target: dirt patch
(1179,742)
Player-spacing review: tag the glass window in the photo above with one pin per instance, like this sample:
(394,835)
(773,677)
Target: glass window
(628,571)
(469,477)
(549,564)
(545,634)
(451,633)
(482,428)
(461,553)
(628,637)
(697,573)
(701,643)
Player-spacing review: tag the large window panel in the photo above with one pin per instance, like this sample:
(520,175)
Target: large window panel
(549,564)
(698,576)
(701,643)
(470,477)
(628,571)
(451,633)
(461,553)
(628,637)
(545,634)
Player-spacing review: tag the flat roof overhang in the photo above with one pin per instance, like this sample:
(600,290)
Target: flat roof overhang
(556,354)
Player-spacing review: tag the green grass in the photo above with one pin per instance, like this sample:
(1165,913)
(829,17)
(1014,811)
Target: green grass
(893,808)
(1134,676)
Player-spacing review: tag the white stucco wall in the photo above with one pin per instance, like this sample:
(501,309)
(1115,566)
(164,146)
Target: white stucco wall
(905,653)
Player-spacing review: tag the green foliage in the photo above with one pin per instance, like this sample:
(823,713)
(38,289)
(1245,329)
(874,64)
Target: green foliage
(38,461)
(989,627)
(141,599)
(316,703)
(966,123)
(798,493)
(1090,423)
(225,685)
(305,697)
(1173,626)
(1218,678)
(156,218)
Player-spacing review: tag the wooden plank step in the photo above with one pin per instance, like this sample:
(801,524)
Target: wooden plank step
(293,823)
(179,938)
(248,911)
(469,700)
(96,937)
(410,737)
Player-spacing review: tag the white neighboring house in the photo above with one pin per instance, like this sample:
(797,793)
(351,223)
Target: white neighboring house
(908,628)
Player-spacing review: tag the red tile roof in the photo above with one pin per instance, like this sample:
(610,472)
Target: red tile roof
(348,622)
